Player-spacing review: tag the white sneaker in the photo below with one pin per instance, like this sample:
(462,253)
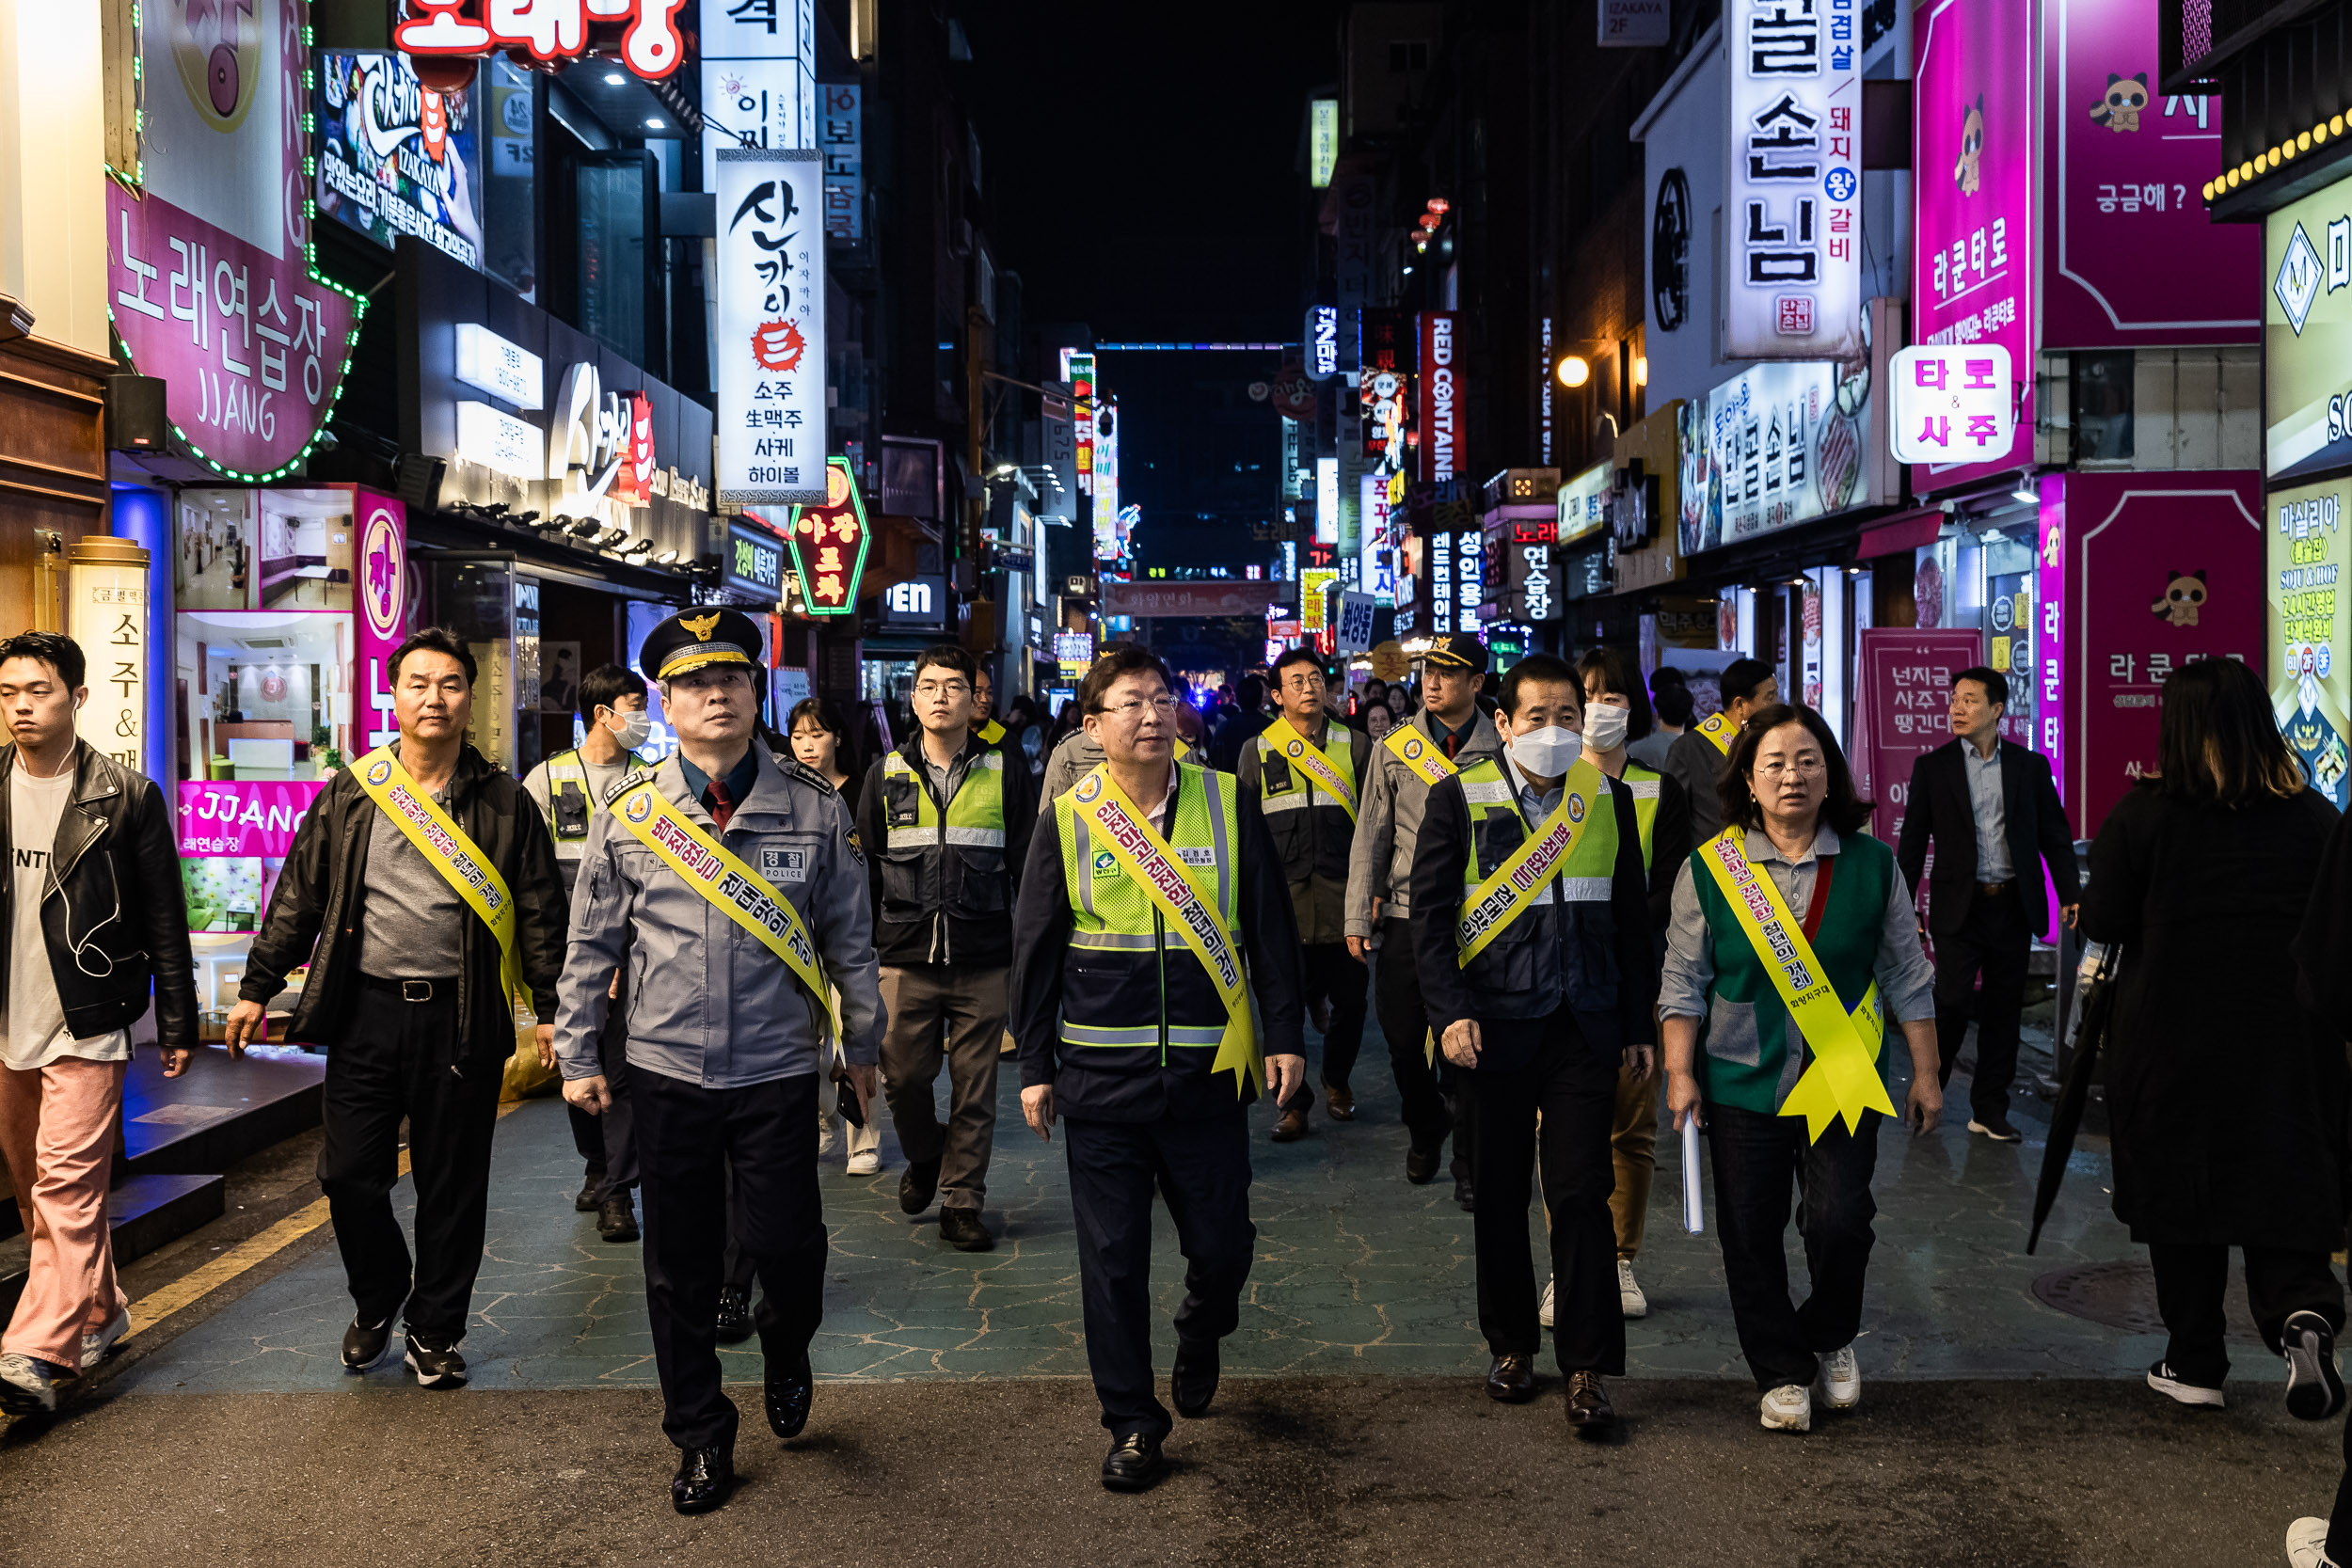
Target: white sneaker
(1841,1380)
(1543,1311)
(2164,1380)
(2307,1545)
(1629,1297)
(97,1347)
(29,1386)
(1789,1408)
(826,1135)
(865,1162)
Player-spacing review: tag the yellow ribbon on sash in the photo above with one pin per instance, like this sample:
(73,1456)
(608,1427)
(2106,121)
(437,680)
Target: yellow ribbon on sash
(1145,856)
(1719,730)
(1307,757)
(732,888)
(446,849)
(1420,753)
(1510,890)
(1843,1078)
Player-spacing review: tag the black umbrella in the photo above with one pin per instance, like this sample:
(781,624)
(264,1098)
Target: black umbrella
(2095,1005)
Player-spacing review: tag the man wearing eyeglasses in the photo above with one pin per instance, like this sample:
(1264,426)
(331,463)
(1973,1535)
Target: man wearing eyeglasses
(1150,911)
(1307,774)
(947,824)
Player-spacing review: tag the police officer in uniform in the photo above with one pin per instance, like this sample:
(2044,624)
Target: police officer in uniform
(1307,774)
(1448,735)
(730,886)
(1531,924)
(567,789)
(1132,1017)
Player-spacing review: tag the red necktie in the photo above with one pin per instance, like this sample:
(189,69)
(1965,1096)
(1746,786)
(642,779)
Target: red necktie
(719,802)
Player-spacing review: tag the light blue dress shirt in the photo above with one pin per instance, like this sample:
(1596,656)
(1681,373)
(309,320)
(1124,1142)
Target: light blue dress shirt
(1984,797)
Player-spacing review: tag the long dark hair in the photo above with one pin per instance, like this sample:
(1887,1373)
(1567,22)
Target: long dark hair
(826,717)
(1844,810)
(2220,744)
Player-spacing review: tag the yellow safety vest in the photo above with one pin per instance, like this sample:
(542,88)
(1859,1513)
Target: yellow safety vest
(975,818)
(1641,783)
(566,768)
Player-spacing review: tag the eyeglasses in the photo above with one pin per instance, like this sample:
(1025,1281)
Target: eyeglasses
(1803,768)
(941,688)
(1132,708)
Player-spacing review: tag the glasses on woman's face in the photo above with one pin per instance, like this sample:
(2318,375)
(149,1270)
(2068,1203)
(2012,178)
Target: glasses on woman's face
(1132,710)
(1803,768)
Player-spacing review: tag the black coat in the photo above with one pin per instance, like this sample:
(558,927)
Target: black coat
(1940,809)
(2226,1099)
(116,921)
(319,902)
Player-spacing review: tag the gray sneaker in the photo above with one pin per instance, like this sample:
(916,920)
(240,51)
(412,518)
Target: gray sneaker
(97,1347)
(31,1387)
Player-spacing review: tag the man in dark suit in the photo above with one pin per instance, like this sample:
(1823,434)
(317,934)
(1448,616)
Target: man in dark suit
(1993,813)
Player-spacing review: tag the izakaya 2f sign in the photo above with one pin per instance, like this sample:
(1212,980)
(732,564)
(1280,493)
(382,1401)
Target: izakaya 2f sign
(1793,217)
(769,350)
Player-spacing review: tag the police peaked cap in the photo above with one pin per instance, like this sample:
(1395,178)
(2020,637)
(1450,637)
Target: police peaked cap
(699,640)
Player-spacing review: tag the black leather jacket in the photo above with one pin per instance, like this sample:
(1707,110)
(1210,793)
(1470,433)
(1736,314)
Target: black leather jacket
(319,894)
(115,918)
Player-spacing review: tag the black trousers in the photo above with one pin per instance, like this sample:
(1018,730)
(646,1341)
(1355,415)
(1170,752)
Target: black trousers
(688,1139)
(608,1143)
(395,1063)
(1201,1170)
(1424,1079)
(1758,1158)
(1991,941)
(2279,1282)
(1340,979)
(1574,1088)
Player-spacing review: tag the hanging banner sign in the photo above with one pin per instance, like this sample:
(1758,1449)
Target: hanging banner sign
(769,350)
(1792,215)
(1443,400)
(759,78)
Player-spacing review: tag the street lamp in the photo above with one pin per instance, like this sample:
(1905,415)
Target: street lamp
(1572,371)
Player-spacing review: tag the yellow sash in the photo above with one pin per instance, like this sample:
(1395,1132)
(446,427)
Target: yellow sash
(1307,757)
(448,850)
(1422,754)
(1719,730)
(1145,856)
(732,888)
(1510,891)
(990,733)
(1843,1078)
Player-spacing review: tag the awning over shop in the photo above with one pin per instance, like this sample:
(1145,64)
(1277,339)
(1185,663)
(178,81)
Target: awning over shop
(1906,532)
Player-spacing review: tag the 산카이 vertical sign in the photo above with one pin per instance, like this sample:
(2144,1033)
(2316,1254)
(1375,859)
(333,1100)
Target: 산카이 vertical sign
(769,350)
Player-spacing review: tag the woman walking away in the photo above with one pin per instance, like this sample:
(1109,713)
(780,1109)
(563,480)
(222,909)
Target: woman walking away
(1793,886)
(2225,1094)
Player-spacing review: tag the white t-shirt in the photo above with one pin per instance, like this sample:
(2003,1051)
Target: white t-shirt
(34,1032)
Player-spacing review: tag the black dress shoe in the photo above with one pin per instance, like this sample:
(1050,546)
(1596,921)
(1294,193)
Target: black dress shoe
(591,1194)
(735,1315)
(617,1218)
(1465,1194)
(1192,1383)
(363,1347)
(1133,1464)
(704,1479)
(918,1186)
(961,1229)
(1511,1379)
(1589,1409)
(790,1385)
(1421,1164)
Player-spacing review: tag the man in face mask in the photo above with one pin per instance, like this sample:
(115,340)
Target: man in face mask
(571,788)
(1532,933)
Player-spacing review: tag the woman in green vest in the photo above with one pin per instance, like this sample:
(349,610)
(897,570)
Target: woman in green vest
(1790,895)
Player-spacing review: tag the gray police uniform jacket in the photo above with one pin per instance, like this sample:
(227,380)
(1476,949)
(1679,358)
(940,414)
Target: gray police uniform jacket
(1387,822)
(708,1004)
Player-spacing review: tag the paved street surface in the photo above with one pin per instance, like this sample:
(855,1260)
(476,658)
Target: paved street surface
(954,1422)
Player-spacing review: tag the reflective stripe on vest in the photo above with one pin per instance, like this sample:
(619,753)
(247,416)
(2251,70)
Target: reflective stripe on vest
(1588,876)
(976,815)
(1338,744)
(1642,785)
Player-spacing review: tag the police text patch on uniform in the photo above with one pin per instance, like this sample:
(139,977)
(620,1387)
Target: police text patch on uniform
(784,865)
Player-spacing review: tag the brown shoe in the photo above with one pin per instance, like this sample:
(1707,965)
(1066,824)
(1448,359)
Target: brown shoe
(1294,1123)
(1341,1102)
(1511,1379)
(1589,1409)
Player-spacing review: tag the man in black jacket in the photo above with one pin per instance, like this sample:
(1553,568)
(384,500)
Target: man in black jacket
(1125,1031)
(945,824)
(1993,814)
(409,983)
(92,921)
(1530,928)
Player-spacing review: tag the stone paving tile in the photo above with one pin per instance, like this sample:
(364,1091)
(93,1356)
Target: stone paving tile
(1357,1272)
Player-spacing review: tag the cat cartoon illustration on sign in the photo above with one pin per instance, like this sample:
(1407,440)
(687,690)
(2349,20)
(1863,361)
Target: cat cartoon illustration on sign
(2119,108)
(2184,593)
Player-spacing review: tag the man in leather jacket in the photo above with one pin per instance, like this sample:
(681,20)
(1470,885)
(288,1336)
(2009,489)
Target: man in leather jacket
(92,921)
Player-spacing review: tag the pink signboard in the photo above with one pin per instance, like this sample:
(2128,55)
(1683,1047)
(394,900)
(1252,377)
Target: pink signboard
(1903,702)
(243,817)
(2133,260)
(1972,183)
(379,609)
(208,269)
(2151,572)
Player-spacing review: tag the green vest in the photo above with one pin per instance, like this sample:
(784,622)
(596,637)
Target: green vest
(1117,931)
(1744,1060)
(1641,783)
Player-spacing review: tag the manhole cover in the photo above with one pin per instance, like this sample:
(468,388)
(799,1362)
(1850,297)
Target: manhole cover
(2122,1294)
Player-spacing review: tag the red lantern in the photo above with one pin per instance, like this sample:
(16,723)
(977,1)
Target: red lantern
(1429,222)
(1438,204)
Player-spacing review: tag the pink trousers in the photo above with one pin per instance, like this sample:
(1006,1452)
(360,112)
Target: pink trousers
(57,1134)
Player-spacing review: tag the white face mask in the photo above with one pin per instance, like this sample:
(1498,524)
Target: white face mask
(1546,752)
(634,728)
(1605,725)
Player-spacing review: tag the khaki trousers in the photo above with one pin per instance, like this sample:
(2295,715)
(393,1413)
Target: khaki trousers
(970,1002)
(1633,1149)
